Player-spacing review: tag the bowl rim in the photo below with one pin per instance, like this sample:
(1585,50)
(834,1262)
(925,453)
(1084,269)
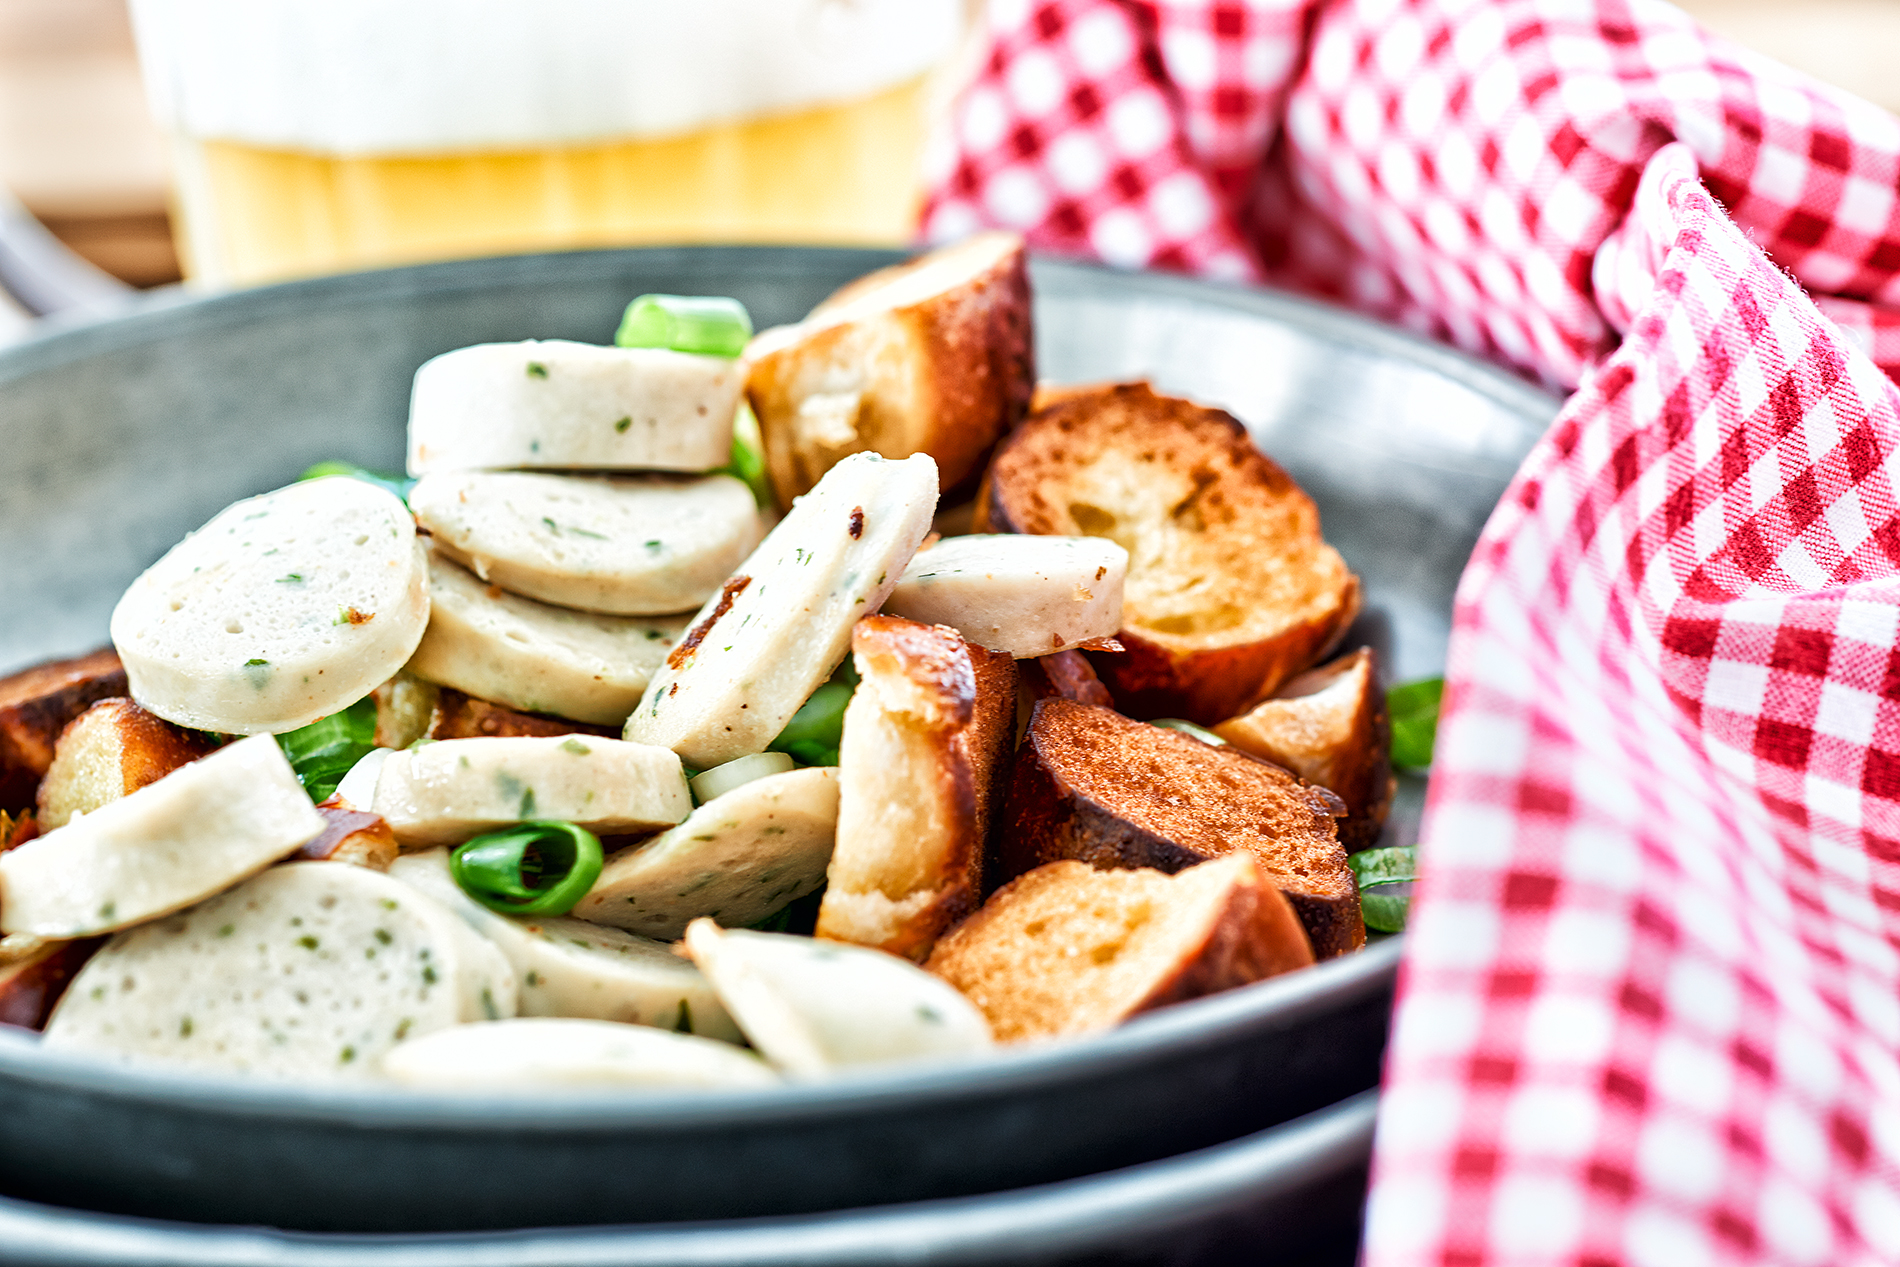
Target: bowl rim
(1279,1003)
(61,339)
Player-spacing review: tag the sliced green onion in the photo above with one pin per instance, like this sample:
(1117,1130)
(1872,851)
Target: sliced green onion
(539,868)
(721,779)
(324,751)
(397,484)
(1413,708)
(813,734)
(710,325)
(1188,728)
(748,458)
(1385,878)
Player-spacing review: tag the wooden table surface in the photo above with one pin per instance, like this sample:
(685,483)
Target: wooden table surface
(78,146)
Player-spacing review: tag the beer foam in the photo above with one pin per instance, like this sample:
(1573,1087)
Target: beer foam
(360,78)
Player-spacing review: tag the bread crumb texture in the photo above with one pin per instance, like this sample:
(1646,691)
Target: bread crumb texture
(1066,949)
(1222,543)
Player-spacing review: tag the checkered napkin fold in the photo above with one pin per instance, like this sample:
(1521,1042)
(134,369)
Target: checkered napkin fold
(1650,1009)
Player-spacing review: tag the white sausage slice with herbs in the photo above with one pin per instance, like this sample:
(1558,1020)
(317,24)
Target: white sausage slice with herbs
(781,625)
(556,404)
(307,971)
(199,830)
(552,1054)
(283,609)
(1023,595)
(570,968)
(444,793)
(540,659)
(636,545)
(813,1006)
(739,858)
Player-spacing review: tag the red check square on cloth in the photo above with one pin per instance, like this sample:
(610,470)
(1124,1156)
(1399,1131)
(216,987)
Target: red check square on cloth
(1650,1006)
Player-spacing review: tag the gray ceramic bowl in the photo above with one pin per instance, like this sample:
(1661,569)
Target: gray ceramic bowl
(120,437)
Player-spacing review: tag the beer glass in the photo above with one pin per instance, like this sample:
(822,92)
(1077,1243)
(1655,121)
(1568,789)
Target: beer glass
(314,136)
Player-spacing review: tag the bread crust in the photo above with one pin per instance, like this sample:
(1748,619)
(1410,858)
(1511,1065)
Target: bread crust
(1189,494)
(36,704)
(405,707)
(1255,935)
(1040,957)
(30,987)
(1093,786)
(16,830)
(944,373)
(111,750)
(351,835)
(1329,726)
(1065,675)
(458,715)
(926,740)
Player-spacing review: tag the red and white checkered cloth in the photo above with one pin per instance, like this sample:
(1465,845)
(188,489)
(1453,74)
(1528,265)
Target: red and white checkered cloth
(1650,1010)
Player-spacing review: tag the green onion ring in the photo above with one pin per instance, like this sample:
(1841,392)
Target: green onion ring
(537,868)
(707,325)
(400,485)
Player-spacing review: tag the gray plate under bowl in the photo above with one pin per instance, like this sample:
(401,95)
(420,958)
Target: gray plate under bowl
(1285,1197)
(119,438)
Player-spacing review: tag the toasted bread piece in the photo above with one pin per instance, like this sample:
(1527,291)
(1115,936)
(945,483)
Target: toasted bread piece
(1067,949)
(1230,591)
(405,708)
(925,738)
(1092,785)
(36,704)
(16,830)
(351,835)
(931,356)
(1065,675)
(1328,725)
(112,749)
(30,986)
(460,716)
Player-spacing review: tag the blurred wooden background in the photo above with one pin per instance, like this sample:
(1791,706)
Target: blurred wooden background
(78,147)
(77,144)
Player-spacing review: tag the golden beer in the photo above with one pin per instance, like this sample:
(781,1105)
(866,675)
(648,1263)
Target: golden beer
(264,194)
